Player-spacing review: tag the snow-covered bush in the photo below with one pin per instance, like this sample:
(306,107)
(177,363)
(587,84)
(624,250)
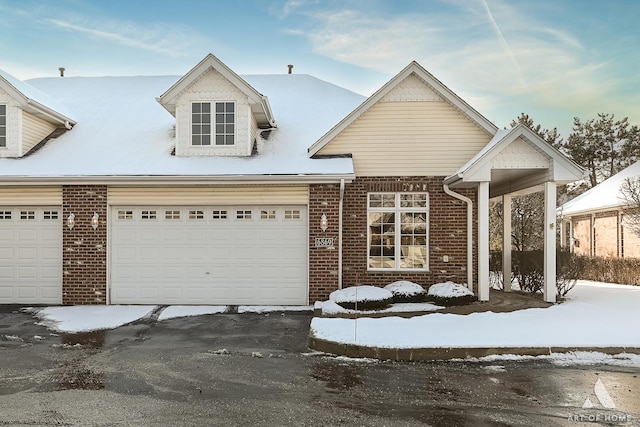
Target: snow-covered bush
(449,294)
(362,297)
(405,291)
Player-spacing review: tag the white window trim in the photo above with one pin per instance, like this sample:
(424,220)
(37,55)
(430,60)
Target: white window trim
(212,125)
(397,209)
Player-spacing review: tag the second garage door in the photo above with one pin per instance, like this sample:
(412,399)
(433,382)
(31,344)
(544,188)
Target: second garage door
(209,255)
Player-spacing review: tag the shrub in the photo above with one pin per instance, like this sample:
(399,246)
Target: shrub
(362,298)
(404,291)
(613,270)
(449,294)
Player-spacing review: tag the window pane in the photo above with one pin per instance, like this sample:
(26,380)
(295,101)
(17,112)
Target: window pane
(229,118)
(230,107)
(206,129)
(206,107)
(219,118)
(219,107)
(206,118)
(219,128)
(195,140)
(196,107)
(3,120)
(229,140)
(389,200)
(206,139)
(219,139)
(229,129)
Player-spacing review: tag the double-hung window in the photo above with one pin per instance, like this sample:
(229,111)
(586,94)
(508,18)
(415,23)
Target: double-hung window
(3,125)
(213,123)
(398,235)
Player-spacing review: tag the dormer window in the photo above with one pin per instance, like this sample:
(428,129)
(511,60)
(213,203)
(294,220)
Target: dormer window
(222,122)
(3,125)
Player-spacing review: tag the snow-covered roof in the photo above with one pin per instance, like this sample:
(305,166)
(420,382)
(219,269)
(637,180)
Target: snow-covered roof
(603,196)
(35,97)
(123,132)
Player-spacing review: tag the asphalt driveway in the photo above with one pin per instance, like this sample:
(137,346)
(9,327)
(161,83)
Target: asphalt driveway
(241,369)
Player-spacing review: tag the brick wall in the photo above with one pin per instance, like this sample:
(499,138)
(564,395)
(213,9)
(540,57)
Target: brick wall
(323,261)
(606,234)
(84,269)
(447,234)
(582,235)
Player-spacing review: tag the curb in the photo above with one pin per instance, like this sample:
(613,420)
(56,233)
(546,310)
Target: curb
(447,353)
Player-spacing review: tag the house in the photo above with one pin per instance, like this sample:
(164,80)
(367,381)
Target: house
(594,221)
(212,188)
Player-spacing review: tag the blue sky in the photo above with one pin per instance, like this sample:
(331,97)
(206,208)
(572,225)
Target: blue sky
(553,59)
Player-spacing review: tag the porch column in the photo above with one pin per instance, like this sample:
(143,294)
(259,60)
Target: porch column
(550,241)
(483,241)
(506,243)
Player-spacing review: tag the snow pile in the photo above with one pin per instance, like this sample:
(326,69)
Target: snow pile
(273,308)
(83,318)
(572,358)
(329,308)
(359,293)
(405,291)
(190,310)
(449,290)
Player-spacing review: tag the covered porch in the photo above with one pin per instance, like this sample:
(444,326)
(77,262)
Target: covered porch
(515,162)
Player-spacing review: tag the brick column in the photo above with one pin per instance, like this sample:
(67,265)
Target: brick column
(84,268)
(323,261)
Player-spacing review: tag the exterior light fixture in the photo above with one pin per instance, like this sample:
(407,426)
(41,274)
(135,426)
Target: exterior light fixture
(94,220)
(71,221)
(324,223)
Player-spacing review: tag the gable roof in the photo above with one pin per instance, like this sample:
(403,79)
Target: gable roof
(561,169)
(413,68)
(259,103)
(35,101)
(603,196)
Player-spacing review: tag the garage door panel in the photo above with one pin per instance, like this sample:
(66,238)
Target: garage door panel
(210,255)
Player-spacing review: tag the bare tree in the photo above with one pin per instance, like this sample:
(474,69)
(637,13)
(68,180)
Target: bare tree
(630,195)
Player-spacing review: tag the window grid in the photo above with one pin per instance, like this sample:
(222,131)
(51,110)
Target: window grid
(50,215)
(171,214)
(242,214)
(3,125)
(148,215)
(5,214)
(125,215)
(196,214)
(292,214)
(268,214)
(225,123)
(398,231)
(27,215)
(219,215)
(201,123)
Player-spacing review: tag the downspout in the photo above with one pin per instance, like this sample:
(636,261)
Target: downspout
(469,232)
(340,234)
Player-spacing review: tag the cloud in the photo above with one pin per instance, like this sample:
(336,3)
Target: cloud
(156,38)
(495,50)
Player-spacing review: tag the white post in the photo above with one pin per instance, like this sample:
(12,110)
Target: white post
(483,241)
(506,243)
(550,241)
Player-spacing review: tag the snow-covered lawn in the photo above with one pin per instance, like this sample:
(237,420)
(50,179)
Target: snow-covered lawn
(594,315)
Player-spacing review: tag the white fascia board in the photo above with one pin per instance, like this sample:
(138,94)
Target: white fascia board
(431,81)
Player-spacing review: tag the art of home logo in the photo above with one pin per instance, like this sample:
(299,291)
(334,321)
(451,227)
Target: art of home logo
(603,400)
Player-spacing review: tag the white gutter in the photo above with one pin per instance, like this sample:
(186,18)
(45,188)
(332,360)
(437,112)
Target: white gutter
(340,234)
(179,179)
(469,232)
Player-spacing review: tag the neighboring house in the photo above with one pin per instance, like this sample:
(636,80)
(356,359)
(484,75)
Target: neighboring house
(263,189)
(594,221)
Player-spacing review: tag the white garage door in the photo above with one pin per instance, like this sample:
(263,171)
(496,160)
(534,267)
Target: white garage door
(30,255)
(209,255)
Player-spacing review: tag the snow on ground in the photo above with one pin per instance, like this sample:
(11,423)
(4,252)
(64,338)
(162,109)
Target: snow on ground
(594,315)
(565,359)
(272,308)
(84,318)
(190,310)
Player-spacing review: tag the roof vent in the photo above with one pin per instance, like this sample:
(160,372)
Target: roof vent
(290,68)
(61,71)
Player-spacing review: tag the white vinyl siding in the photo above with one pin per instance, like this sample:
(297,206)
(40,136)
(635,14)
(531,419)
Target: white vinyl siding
(209,255)
(30,255)
(34,130)
(213,195)
(30,196)
(429,138)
